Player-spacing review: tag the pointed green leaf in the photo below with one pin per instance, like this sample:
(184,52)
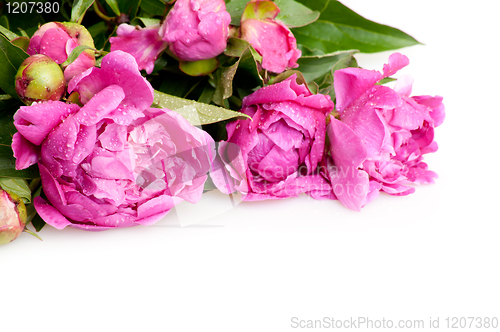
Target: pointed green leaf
(114,6)
(8,163)
(314,67)
(236,8)
(293,14)
(196,113)
(75,54)
(11,58)
(79,9)
(9,34)
(153,7)
(21,42)
(247,63)
(18,187)
(38,223)
(129,7)
(147,21)
(339,28)
(7,129)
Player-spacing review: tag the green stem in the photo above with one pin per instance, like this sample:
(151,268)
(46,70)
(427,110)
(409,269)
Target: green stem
(99,13)
(32,233)
(34,184)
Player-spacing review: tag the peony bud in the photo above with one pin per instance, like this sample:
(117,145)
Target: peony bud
(57,40)
(39,78)
(12,217)
(269,36)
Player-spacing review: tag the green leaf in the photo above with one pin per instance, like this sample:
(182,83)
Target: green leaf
(246,63)
(339,28)
(11,58)
(224,83)
(4,22)
(27,22)
(148,21)
(207,94)
(236,8)
(178,85)
(9,34)
(7,129)
(153,7)
(8,169)
(79,9)
(247,74)
(196,113)
(314,67)
(38,223)
(386,80)
(18,187)
(200,67)
(114,6)
(99,34)
(75,54)
(129,7)
(21,42)
(293,14)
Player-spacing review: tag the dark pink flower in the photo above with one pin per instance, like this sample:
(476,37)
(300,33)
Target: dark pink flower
(196,29)
(57,40)
(144,44)
(114,162)
(379,140)
(271,38)
(275,154)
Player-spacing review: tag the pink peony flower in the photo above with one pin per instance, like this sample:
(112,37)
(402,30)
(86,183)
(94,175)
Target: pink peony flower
(57,40)
(117,69)
(270,38)
(196,29)
(114,162)
(275,155)
(144,44)
(382,134)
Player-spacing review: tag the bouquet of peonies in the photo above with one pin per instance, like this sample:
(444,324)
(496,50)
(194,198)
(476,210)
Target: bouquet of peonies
(119,110)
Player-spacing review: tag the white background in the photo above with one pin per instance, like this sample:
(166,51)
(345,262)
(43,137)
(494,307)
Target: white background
(255,266)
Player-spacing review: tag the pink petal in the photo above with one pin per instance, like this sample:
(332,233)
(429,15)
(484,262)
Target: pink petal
(53,44)
(49,214)
(35,122)
(396,62)
(351,83)
(350,185)
(25,152)
(80,65)
(117,68)
(97,108)
(346,148)
(144,44)
(366,123)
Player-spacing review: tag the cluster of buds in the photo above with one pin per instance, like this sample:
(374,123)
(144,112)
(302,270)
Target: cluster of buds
(44,75)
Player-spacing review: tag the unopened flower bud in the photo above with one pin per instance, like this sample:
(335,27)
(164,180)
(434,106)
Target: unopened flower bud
(12,217)
(39,78)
